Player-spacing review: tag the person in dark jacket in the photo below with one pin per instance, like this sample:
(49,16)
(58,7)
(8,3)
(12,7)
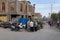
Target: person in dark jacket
(35,25)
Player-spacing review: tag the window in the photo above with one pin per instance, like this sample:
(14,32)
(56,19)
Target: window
(0,7)
(30,8)
(3,6)
(21,7)
(12,6)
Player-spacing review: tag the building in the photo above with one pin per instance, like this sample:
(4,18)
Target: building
(38,16)
(11,9)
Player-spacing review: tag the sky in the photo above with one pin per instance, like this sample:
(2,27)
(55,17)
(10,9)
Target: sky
(44,6)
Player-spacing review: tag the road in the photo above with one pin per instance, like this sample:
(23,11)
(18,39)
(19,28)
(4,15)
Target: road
(46,33)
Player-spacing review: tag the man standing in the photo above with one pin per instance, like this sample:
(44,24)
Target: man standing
(31,26)
(35,25)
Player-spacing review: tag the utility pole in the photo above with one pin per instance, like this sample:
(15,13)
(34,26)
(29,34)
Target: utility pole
(51,7)
(52,1)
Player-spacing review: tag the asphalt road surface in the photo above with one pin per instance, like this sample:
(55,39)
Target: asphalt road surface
(46,33)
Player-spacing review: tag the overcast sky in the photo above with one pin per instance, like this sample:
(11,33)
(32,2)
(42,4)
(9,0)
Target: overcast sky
(44,6)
